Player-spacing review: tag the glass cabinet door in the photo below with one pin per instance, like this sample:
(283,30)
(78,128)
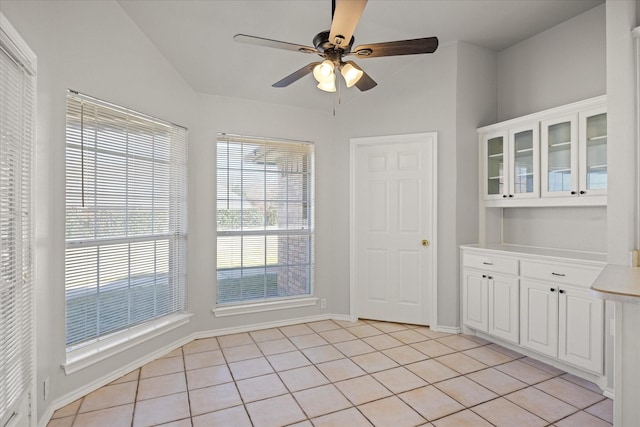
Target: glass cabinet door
(524,162)
(495,166)
(559,157)
(593,152)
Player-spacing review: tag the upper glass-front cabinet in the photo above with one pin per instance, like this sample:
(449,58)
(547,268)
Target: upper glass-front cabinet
(496,167)
(524,162)
(559,156)
(593,152)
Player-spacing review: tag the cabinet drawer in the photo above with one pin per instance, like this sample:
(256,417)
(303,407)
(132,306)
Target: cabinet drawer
(579,275)
(491,263)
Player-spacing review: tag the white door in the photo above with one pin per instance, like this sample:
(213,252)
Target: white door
(393,208)
(539,317)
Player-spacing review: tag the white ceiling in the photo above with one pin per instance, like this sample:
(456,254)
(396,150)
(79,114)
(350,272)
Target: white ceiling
(196,37)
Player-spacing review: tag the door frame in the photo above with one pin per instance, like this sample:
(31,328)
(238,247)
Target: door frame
(430,138)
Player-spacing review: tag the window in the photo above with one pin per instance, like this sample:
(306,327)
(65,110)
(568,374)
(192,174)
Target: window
(17,107)
(264,219)
(125,219)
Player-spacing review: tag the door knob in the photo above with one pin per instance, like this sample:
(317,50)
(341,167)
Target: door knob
(425,242)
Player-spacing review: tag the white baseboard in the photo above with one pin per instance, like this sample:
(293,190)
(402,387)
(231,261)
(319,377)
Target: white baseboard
(102,381)
(446,329)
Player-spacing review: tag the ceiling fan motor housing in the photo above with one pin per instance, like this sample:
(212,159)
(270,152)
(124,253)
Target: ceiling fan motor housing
(322,43)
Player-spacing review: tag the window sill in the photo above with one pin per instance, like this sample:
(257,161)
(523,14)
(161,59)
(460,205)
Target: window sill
(234,310)
(88,355)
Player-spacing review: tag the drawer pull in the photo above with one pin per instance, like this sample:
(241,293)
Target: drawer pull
(484,276)
(487,263)
(552,289)
(561,291)
(558,274)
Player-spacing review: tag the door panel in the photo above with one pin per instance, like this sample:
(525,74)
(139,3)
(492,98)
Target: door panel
(539,316)
(393,205)
(504,310)
(475,300)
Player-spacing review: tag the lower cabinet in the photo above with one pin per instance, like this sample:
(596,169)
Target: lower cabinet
(544,306)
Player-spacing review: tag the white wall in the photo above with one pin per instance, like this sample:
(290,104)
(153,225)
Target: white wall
(564,64)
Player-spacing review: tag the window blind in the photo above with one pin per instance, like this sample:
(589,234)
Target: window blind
(264,219)
(17,99)
(125,219)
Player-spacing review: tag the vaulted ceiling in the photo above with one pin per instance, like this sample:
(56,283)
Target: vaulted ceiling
(196,37)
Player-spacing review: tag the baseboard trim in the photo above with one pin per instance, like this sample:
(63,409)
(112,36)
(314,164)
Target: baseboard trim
(446,329)
(101,382)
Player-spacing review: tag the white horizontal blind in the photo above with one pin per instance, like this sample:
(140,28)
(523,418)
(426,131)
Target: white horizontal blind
(125,219)
(17,98)
(264,219)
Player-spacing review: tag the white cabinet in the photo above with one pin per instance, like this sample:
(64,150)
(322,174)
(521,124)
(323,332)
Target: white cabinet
(490,298)
(537,302)
(559,316)
(556,157)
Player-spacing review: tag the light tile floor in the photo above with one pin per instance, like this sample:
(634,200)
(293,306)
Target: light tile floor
(333,373)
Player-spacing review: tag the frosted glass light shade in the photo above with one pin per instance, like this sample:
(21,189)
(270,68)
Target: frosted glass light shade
(323,72)
(329,85)
(351,74)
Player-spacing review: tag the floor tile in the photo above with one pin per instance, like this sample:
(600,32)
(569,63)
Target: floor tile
(504,350)
(391,411)
(337,335)
(250,368)
(364,331)
(161,386)
(198,346)
(61,422)
(241,352)
(213,398)
(354,348)
(582,419)
(68,410)
(582,383)
(185,422)
(203,359)
(291,360)
(131,376)
(116,416)
(477,339)
(348,417)
(275,347)
(408,336)
(571,393)
(465,391)
(160,410)
(236,417)
(524,372)
(603,410)
(362,389)
(262,387)
(275,412)
(266,335)
(303,378)
(433,348)
(399,380)
(324,353)
(432,371)
(174,353)
(374,362)
(234,340)
(389,327)
(169,365)
(487,356)
(541,404)
(461,363)
(109,396)
(405,354)
(305,423)
(308,341)
(429,333)
(206,377)
(458,342)
(382,342)
(465,418)
(542,366)
(349,323)
(503,413)
(296,330)
(496,381)
(321,400)
(339,370)
(323,325)
(430,402)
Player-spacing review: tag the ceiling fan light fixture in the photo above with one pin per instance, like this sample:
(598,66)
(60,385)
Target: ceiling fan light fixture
(351,74)
(323,72)
(329,85)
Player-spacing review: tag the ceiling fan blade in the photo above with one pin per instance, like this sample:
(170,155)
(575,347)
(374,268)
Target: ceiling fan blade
(365,82)
(401,47)
(260,41)
(295,76)
(346,16)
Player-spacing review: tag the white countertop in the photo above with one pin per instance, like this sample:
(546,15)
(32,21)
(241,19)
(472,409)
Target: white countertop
(545,252)
(618,283)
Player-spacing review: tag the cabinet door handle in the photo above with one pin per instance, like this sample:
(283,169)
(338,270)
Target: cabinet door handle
(484,276)
(510,195)
(561,291)
(487,263)
(583,192)
(489,277)
(573,192)
(558,274)
(552,289)
(504,196)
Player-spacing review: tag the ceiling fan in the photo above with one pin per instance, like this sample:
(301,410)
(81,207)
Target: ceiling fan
(336,43)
